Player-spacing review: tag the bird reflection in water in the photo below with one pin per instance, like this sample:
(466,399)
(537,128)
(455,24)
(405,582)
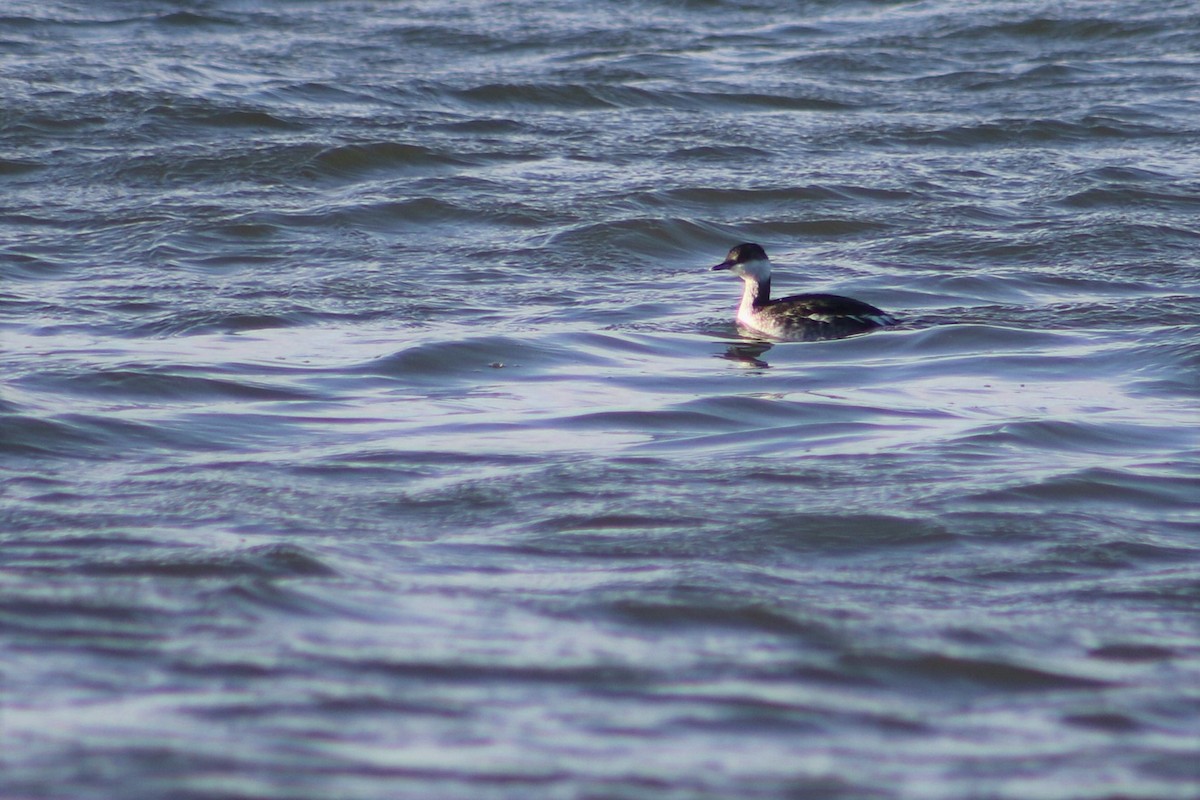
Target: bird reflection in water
(748,353)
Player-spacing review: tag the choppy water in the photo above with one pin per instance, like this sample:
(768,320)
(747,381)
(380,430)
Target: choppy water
(372,426)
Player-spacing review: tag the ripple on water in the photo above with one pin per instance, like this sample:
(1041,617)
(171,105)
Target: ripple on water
(1126,440)
(1157,492)
(277,561)
(466,360)
(139,594)
(359,161)
(644,235)
(166,383)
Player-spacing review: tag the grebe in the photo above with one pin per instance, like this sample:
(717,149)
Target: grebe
(801,317)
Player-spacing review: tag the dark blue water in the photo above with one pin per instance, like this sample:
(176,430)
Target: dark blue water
(371,425)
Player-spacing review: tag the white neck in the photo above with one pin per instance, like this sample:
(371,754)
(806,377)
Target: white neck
(751,292)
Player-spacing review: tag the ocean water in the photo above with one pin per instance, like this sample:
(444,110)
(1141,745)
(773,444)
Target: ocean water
(371,425)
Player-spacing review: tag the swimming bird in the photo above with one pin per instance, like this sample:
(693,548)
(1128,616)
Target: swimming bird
(801,317)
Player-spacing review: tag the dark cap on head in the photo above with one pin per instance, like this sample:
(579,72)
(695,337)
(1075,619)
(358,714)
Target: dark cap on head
(740,254)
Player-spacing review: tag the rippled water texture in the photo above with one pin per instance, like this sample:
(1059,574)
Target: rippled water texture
(371,425)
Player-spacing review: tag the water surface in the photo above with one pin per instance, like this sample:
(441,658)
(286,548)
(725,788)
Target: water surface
(372,426)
